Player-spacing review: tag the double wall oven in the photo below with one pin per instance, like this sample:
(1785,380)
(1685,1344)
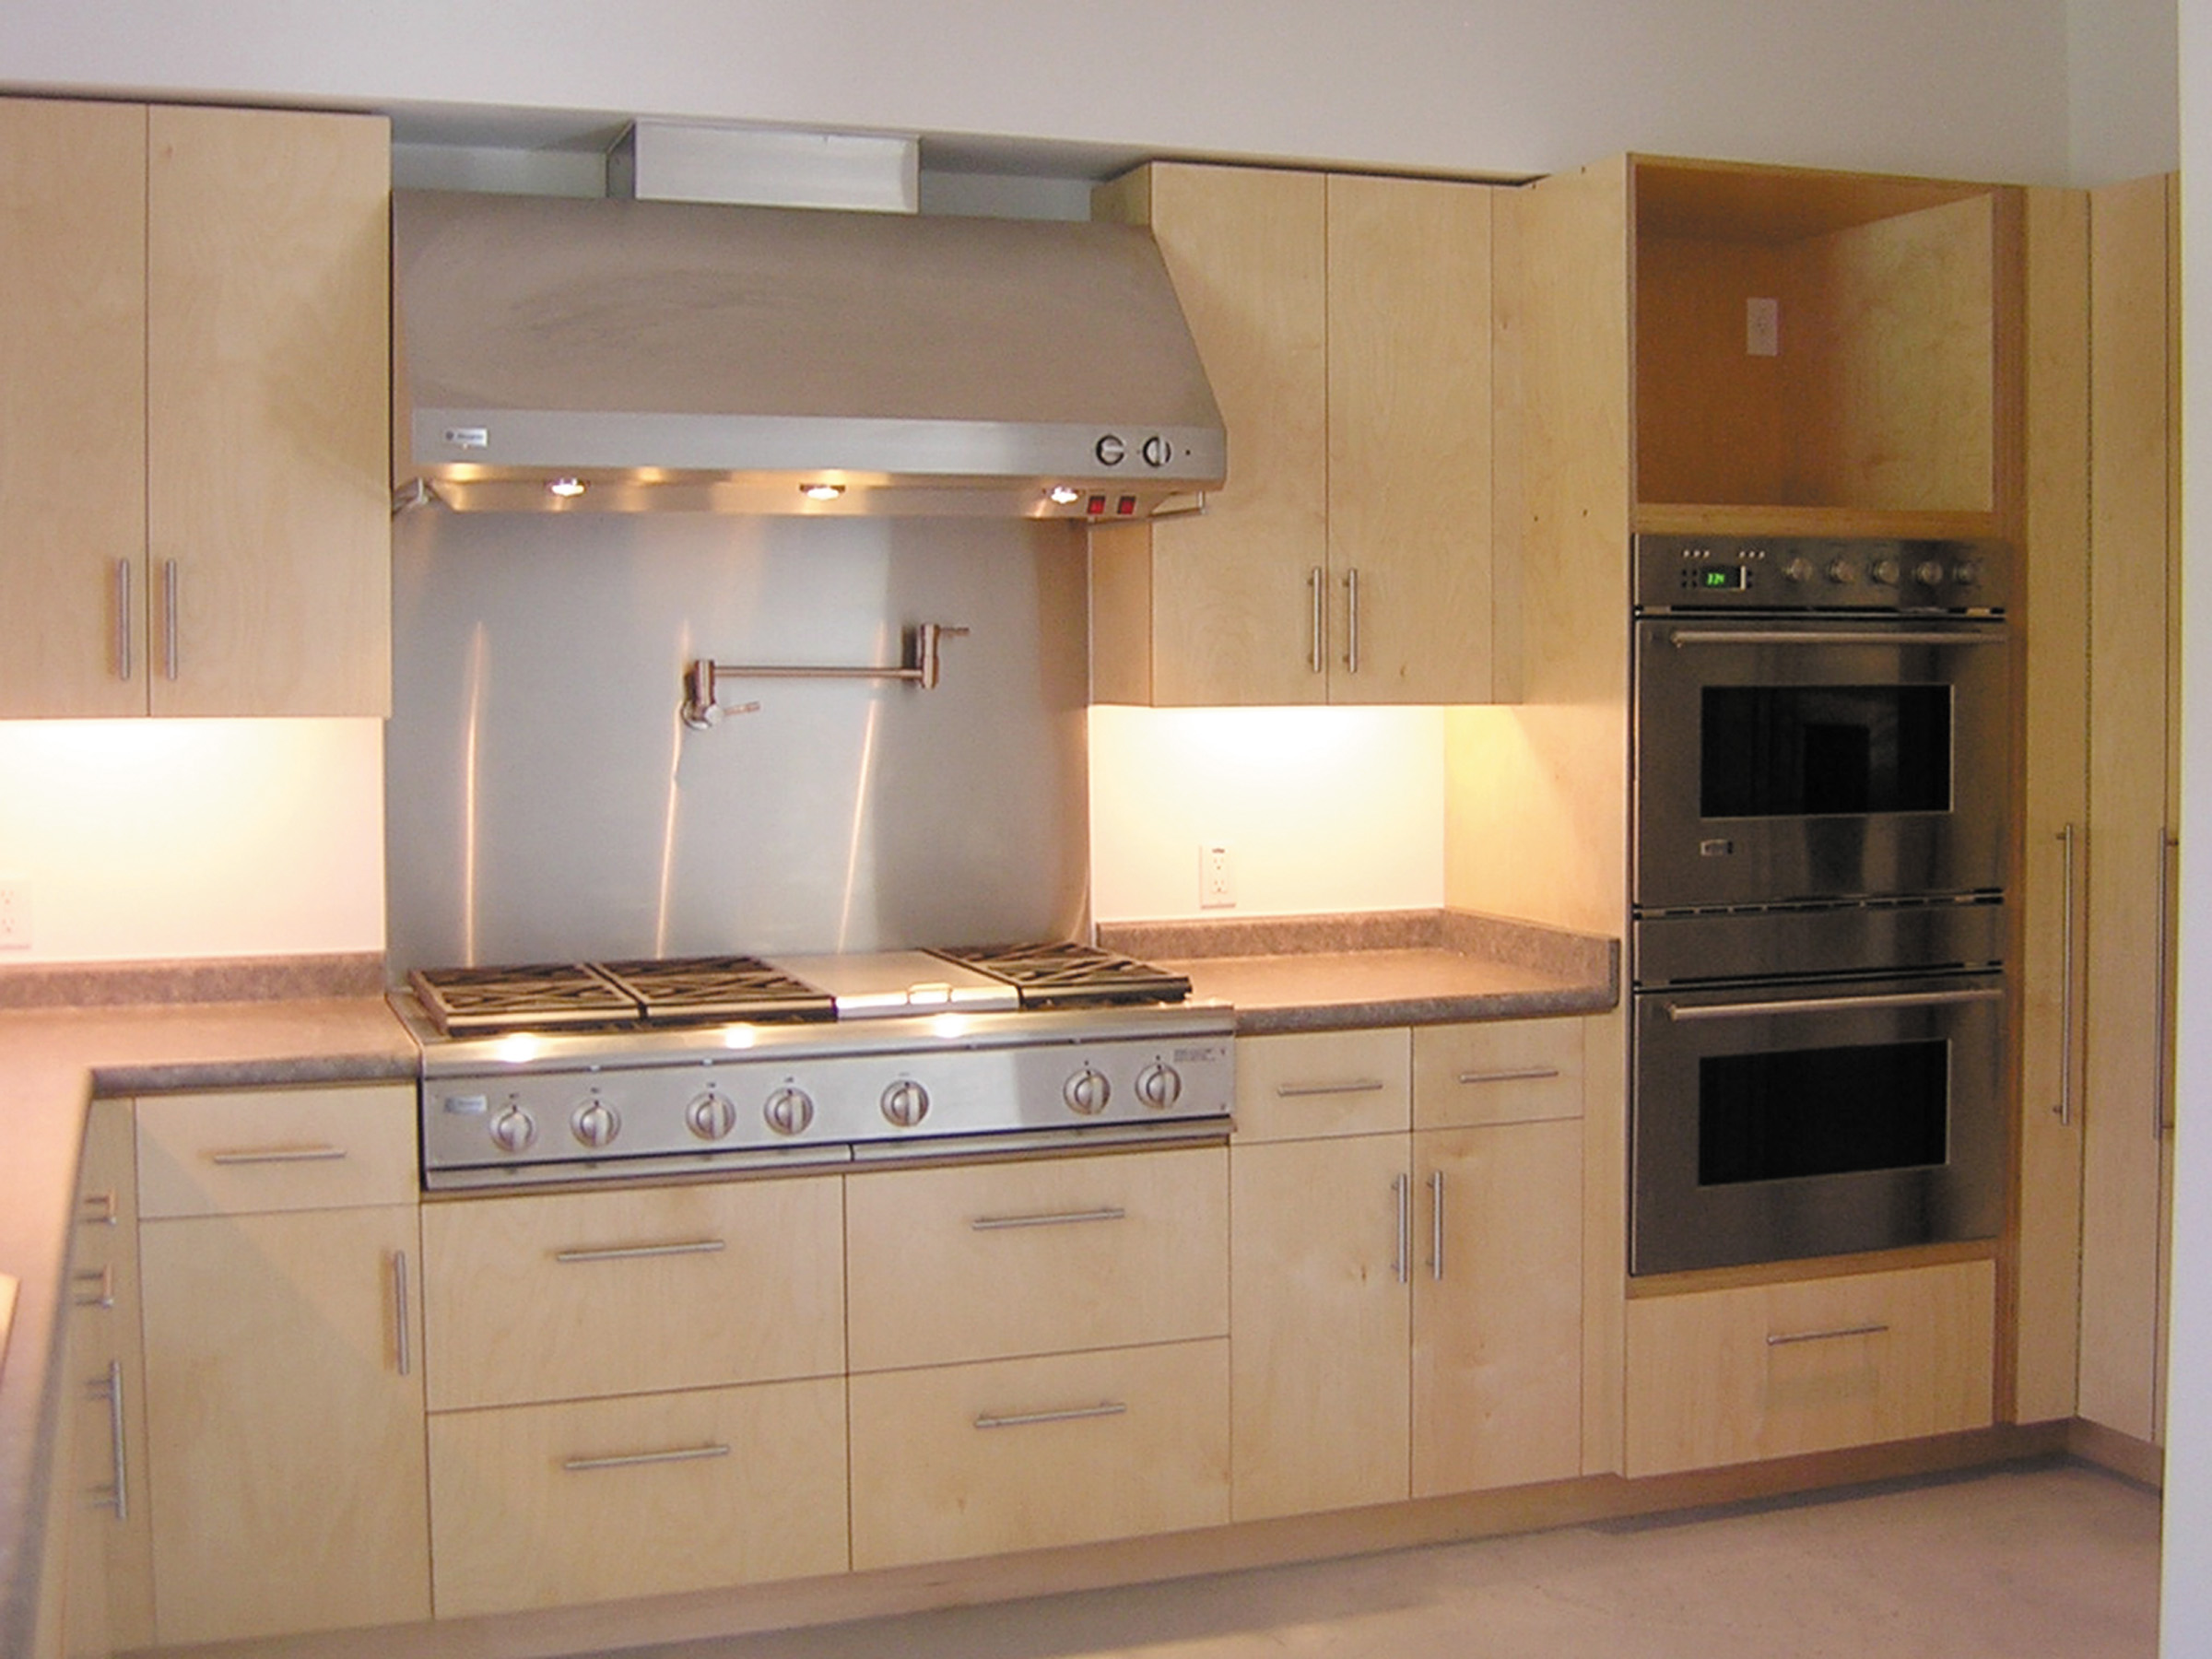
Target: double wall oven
(1820,830)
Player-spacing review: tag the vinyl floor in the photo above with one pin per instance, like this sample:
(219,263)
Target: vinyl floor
(2056,1559)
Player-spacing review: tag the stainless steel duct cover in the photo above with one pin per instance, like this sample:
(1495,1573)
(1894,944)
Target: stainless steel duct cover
(673,354)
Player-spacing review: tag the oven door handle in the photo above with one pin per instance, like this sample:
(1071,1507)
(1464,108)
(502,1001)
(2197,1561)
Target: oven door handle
(1834,1004)
(1810,636)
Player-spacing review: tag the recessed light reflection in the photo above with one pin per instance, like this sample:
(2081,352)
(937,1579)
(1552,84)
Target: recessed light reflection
(566,489)
(739,1036)
(519,1048)
(822,492)
(950,1027)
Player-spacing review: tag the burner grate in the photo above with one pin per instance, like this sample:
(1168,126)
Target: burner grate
(1065,974)
(689,988)
(536,997)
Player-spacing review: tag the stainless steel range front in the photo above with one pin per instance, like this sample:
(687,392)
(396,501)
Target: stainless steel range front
(1822,772)
(586,1071)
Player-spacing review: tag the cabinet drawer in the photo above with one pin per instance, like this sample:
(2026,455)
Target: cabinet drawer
(545,1506)
(1507,1071)
(1030,1454)
(991,1261)
(1304,1085)
(1728,1376)
(275,1149)
(569,1296)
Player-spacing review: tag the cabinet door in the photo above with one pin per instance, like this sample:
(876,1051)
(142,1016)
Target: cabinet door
(1498,1307)
(72,408)
(1220,607)
(1321,1258)
(268,497)
(1409,442)
(285,1423)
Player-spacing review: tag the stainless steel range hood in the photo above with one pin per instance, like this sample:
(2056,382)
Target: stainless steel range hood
(769,359)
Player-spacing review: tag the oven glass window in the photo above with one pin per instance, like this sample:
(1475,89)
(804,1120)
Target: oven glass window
(1772,1116)
(1795,751)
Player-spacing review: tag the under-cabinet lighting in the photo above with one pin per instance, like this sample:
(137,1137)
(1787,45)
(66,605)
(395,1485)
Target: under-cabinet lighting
(566,489)
(1064,496)
(821,492)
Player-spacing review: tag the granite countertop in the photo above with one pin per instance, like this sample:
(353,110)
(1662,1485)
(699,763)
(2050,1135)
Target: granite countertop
(53,1060)
(1322,974)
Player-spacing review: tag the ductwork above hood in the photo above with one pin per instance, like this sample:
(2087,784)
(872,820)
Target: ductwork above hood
(769,359)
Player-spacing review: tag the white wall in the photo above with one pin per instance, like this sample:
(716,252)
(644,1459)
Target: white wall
(2123,94)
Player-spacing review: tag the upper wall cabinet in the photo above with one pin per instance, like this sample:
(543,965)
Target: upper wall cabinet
(1823,352)
(1345,323)
(192,411)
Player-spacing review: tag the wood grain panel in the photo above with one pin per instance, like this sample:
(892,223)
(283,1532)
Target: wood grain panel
(1505,1071)
(1304,1085)
(514,1527)
(277,1150)
(1497,1314)
(1409,425)
(73,407)
(932,1481)
(267,375)
(1711,420)
(1727,1376)
(753,1290)
(1319,1324)
(989,1261)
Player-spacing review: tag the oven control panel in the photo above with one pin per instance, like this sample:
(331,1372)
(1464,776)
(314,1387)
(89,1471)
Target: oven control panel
(1796,574)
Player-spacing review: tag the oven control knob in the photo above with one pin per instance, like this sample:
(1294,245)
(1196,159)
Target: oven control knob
(1160,1086)
(1797,568)
(1928,572)
(789,1111)
(1842,571)
(595,1123)
(905,1103)
(711,1116)
(513,1130)
(1088,1092)
(1966,572)
(1886,571)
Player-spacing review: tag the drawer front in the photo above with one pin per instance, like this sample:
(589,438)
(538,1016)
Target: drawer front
(275,1149)
(1729,1376)
(1507,1071)
(1304,1085)
(1030,1454)
(992,1260)
(547,1506)
(571,1296)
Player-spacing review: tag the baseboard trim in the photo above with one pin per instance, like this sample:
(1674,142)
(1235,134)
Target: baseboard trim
(836,1599)
(2124,1455)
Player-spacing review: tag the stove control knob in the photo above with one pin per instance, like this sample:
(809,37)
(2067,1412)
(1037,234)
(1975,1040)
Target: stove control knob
(711,1116)
(1928,572)
(1966,572)
(1160,1086)
(1886,571)
(1797,568)
(595,1123)
(1088,1092)
(905,1103)
(789,1111)
(1843,572)
(513,1130)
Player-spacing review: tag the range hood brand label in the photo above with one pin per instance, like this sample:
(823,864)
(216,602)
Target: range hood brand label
(469,437)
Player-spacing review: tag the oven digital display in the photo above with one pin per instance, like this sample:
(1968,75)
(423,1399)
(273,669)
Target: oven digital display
(1718,578)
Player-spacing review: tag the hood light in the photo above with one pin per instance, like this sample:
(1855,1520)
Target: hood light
(568,490)
(821,492)
(1063,495)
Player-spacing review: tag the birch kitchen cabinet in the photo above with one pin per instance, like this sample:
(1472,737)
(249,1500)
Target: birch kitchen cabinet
(1345,323)
(193,377)
(1406,1258)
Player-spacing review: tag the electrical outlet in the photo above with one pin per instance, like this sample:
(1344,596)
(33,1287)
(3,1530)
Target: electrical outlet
(15,916)
(1763,328)
(1216,890)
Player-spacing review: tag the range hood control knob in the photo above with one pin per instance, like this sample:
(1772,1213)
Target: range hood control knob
(905,1103)
(1157,451)
(1928,572)
(1088,1092)
(513,1130)
(1160,1086)
(1112,450)
(711,1116)
(789,1111)
(595,1123)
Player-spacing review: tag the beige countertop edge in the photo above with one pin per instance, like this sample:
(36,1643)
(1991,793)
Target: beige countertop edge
(1424,1010)
(54,1062)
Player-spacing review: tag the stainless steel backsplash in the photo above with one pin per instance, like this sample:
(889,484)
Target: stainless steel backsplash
(546,802)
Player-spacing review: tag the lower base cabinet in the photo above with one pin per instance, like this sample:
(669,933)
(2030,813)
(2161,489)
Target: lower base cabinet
(1770,1370)
(591,1500)
(969,1460)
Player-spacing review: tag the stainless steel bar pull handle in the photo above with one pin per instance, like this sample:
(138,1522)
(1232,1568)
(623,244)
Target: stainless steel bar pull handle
(1522,1074)
(1351,619)
(1436,1225)
(115,1497)
(98,1210)
(98,1288)
(403,1338)
(1402,1189)
(1834,1004)
(1784,1339)
(123,665)
(1065,1414)
(1811,636)
(1295,1092)
(1112,1212)
(2068,838)
(639,1253)
(321,1152)
(633,1460)
(2161,1117)
(1316,646)
(169,617)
